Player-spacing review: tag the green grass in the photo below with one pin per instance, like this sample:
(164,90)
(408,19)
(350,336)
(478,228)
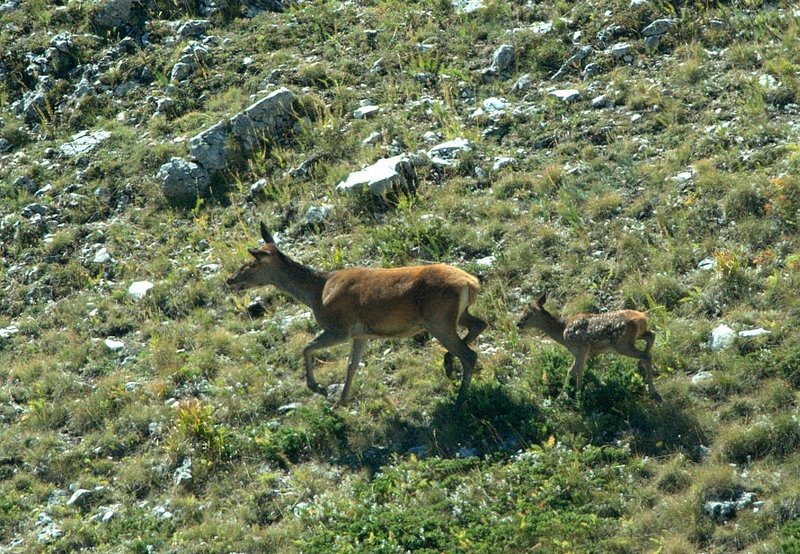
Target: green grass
(590,212)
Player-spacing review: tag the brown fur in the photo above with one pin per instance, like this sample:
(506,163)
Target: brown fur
(359,304)
(586,335)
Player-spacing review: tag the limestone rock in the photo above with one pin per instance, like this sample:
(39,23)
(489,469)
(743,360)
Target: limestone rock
(183,182)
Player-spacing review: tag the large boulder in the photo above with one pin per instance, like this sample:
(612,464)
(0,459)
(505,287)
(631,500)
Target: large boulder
(208,147)
(267,118)
(383,176)
(114,14)
(183,182)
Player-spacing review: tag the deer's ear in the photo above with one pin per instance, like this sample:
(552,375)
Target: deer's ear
(265,234)
(542,299)
(259,253)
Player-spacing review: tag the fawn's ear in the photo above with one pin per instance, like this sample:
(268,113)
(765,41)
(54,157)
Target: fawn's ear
(542,299)
(265,234)
(259,253)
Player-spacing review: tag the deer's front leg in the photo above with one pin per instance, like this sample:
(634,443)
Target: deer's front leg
(326,339)
(359,346)
(575,369)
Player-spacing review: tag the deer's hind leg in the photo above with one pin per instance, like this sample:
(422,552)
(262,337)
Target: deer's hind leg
(443,328)
(645,361)
(475,327)
(576,369)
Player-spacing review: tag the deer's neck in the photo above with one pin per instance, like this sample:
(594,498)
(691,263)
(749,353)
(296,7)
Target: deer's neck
(302,283)
(554,327)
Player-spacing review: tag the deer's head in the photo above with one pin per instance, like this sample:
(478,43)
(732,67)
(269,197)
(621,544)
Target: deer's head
(265,267)
(535,315)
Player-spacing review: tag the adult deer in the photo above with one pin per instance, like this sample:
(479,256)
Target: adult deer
(585,335)
(358,304)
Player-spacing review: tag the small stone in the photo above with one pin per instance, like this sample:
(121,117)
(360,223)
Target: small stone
(364,112)
(84,142)
(494,104)
(138,289)
(754,333)
(467,6)
(161,513)
(567,95)
(286,408)
(541,27)
(621,49)
(25,183)
(591,70)
(503,59)
(501,162)
(721,337)
(523,83)
(702,377)
(445,154)
(8,332)
(707,264)
(79,498)
(599,101)
(769,82)
(372,139)
(102,256)
(382,176)
(657,27)
(183,473)
(114,345)
(316,214)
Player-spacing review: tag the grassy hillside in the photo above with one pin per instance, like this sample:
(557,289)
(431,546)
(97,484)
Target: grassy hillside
(180,421)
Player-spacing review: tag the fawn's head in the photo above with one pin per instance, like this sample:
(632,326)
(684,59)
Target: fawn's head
(535,315)
(265,267)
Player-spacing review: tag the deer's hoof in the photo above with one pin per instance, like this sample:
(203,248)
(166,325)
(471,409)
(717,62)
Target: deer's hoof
(655,397)
(319,389)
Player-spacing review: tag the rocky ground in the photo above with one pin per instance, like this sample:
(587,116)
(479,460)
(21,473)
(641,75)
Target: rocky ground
(625,154)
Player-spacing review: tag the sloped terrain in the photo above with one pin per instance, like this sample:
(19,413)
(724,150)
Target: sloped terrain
(624,154)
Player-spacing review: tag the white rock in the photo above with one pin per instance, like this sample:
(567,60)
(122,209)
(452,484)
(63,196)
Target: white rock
(114,345)
(494,104)
(138,289)
(488,261)
(84,142)
(365,111)
(621,49)
(501,162)
(567,95)
(372,139)
(380,177)
(467,6)
(701,377)
(101,256)
(657,27)
(600,101)
(683,177)
(753,332)
(542,27)
(446,152)
(769,82)
(183,473)
(8,332)
(78,497)
(722,337)
(707,264)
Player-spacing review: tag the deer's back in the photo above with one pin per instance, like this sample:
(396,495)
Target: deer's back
(604,329)
(392,302)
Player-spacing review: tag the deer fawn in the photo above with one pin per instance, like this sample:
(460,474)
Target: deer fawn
(358,304)
(585,335)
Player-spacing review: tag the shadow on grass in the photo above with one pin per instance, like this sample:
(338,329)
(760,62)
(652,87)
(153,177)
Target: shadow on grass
(493,420)
(499,420)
